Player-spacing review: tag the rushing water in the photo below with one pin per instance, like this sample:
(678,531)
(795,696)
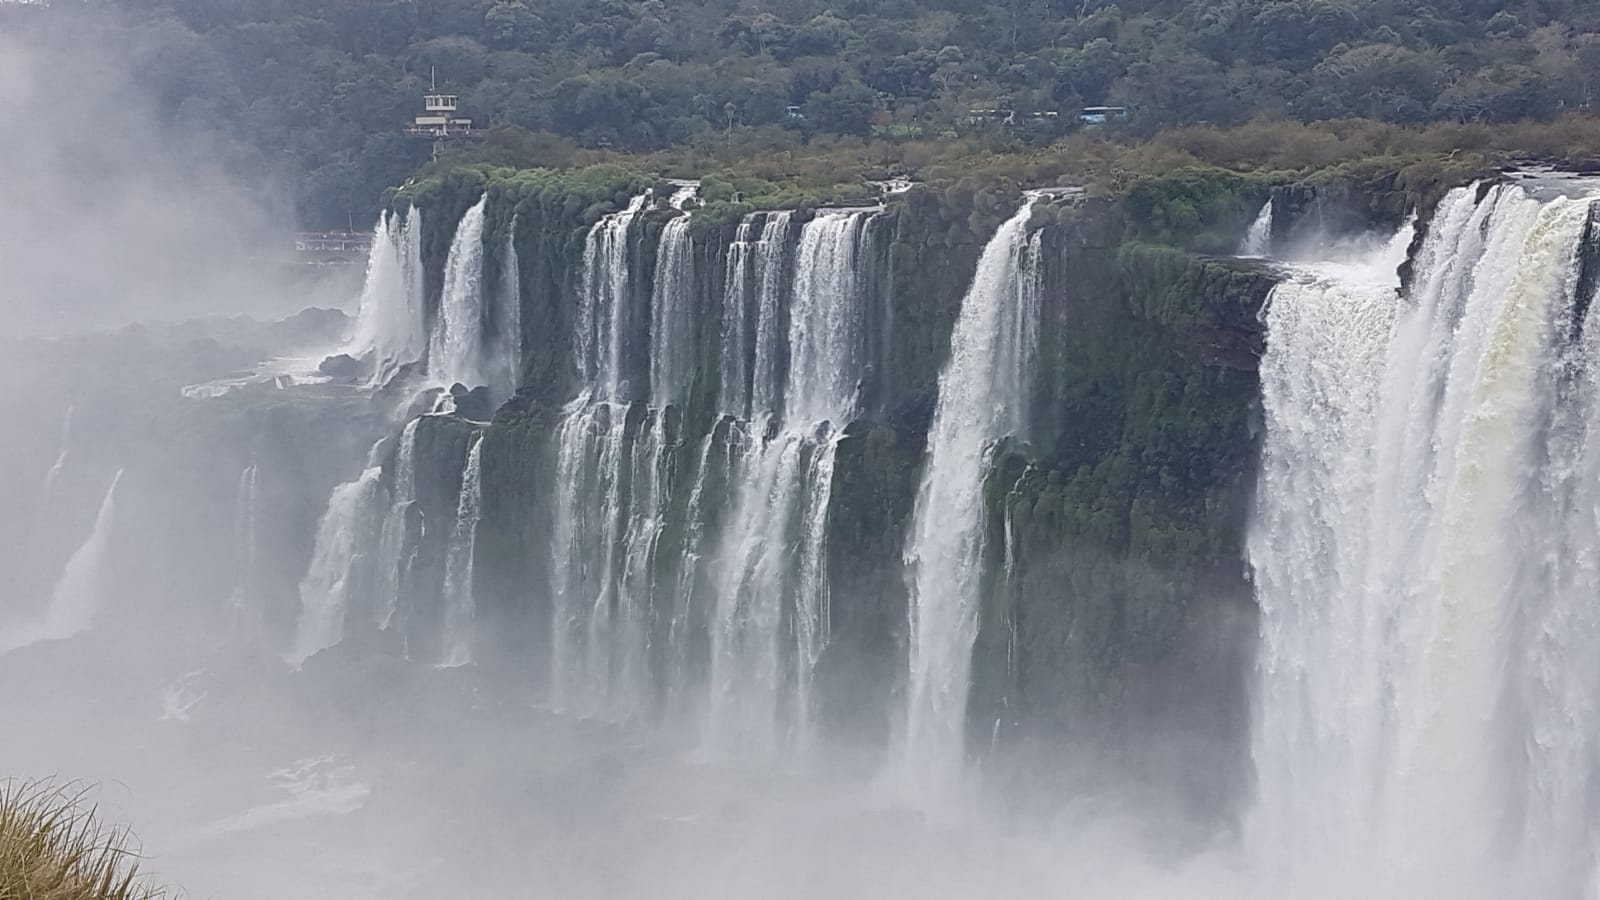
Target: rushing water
(1258,240)
(982,397)
(459,607)
(1427,558)
(728,631)
(83,585)
(47,493)
(242,609)
(338,563)
(391,327)
(457,349)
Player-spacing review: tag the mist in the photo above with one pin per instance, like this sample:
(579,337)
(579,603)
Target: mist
(613,540)
(117,212)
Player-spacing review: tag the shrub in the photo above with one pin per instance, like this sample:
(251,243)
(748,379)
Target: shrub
(54,847)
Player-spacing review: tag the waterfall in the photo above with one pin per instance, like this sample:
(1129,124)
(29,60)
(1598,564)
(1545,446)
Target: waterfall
(771,596)
(754,284)
(245,538)
(1258,240)
(459,606)
(338,563)
(54,474)
(1427,554)
(672,316)
(594,465)
(81,590)
(396,543)
(982,396)
(391,330)
(726,632)
(506,366)
(456,349)
(604,305)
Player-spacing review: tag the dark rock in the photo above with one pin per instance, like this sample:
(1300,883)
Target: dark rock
(474,404)
(343,365)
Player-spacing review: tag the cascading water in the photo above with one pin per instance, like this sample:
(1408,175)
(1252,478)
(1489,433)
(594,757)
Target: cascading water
(771,591)
(396,548)
(54,475)
(241,605)
(593,456)
(1427,556)
(506,366)
(751,510)
(982,397)
(1258,240)
(82,588)
(391,327)
(457,350)
(459,605)
(338,563)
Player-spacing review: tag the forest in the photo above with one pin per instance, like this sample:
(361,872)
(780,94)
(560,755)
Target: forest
(313,96)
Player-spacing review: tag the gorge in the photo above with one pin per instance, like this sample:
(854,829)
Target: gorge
(1258,519)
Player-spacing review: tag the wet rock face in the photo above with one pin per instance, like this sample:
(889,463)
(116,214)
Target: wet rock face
(1113,591)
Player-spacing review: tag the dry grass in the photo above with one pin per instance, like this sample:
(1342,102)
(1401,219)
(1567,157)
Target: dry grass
(54,847)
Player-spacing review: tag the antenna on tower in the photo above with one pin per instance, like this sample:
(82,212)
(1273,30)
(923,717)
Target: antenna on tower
(433,84)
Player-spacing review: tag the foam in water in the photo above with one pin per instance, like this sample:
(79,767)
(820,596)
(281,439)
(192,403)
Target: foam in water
(982,395)
(457,350)
(1424,552)
(459,605)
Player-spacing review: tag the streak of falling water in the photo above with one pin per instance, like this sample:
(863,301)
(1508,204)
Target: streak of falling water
(82,588)
(457,348)
(460,608)
(391,327)
(1258,240)
(982,396)
(47,493)
(245,617)
(340,564)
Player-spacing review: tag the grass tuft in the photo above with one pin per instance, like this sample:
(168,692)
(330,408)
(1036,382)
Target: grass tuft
(53,846)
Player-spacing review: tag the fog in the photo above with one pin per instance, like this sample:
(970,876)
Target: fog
(112,215)
(129,666)
(174,446)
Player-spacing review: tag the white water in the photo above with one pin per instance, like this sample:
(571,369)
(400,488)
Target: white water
(1427,558)
(82,588)
(982,395)
(47,493)
(753,507)
(241,601)
(753,296)
(457,350)
(459,605)
(672,316)
(603,305)
(1258,240)
(770,620)
(330,583)
(507,362)
(391,326)
(396,552)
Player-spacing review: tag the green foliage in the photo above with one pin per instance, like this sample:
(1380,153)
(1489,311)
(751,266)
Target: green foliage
(315,94)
